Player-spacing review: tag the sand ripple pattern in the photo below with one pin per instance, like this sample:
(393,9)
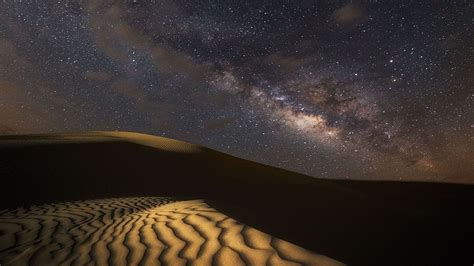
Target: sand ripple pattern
(139,231)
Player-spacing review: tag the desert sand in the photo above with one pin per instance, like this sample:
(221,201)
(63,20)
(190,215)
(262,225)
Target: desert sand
(129,198)
(140,231)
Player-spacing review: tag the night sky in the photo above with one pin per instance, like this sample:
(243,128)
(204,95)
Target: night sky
(379,90)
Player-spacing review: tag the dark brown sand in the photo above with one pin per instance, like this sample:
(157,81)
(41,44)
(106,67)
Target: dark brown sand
(355,222)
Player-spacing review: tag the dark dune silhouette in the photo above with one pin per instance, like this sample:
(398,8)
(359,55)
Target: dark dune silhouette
(355,222)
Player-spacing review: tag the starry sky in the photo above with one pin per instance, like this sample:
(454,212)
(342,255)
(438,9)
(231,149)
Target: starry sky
(334,89)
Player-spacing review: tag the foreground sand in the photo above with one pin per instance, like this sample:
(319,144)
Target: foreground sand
(139,231)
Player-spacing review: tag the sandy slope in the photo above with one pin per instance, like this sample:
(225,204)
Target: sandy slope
(157,142)
(356,222)
(140,231)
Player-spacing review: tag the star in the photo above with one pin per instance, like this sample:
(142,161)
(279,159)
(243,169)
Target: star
(379,86)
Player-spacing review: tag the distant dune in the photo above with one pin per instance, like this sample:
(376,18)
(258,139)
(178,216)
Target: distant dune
(127,198)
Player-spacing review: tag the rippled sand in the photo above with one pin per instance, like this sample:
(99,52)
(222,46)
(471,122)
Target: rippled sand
(140,231)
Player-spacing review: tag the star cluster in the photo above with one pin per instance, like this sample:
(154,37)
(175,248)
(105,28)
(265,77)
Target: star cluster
(361,90)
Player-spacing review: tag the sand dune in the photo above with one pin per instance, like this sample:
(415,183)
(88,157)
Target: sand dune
(139,231)
(157,142)
(355,222)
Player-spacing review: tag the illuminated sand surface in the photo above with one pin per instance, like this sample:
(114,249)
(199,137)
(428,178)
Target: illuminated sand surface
(161,143)
(139,231)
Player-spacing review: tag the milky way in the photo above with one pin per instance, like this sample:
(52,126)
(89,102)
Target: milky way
(335,90)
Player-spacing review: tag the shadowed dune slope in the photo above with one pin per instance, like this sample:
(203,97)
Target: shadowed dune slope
(356,222)
(140,231)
